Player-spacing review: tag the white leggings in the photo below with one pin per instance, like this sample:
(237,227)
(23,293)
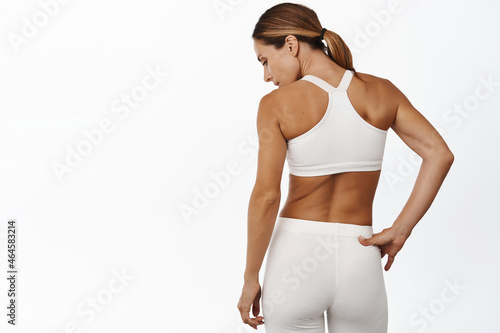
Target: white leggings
(313,267)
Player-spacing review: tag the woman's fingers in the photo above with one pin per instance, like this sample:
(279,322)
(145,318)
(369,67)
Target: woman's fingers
(253,322)
(381,238)
(256,307)
(243,312)
(247,301)
(245,317)
(390,260)
(256,304)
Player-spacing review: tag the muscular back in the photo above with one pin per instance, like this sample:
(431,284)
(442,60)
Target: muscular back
(344,197)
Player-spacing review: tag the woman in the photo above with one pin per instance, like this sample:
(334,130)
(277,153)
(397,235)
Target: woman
(330,123)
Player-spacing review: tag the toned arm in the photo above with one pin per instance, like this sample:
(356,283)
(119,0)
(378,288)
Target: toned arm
(265,197)
(418,134)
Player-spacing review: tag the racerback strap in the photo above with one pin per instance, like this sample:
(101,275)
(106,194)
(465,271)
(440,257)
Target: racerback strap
(344,82)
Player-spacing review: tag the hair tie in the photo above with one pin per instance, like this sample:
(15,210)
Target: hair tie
(322,33)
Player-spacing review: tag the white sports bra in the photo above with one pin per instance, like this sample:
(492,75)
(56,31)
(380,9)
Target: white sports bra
(342,141)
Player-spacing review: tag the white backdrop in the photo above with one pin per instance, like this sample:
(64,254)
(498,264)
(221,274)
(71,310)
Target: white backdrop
(128,155)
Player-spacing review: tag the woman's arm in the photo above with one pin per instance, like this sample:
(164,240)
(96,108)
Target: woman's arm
(265,198)
(418,134)
(263,206)
(262,212)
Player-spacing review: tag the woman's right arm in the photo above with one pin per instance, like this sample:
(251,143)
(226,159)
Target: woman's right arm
(418,134)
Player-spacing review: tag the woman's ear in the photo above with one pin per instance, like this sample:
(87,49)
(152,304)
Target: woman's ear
(292,44)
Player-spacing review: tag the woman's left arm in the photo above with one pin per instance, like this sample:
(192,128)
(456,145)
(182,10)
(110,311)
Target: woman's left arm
(264,203)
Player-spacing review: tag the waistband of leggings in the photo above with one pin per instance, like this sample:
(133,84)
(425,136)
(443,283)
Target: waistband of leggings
(311,226)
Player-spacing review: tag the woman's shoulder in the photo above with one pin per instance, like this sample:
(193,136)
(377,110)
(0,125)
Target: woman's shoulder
(379,86)
(294,93)
(381,83)
(285,94)
(374,80)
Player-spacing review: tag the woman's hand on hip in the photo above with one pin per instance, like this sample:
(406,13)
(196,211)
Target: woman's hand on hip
(250,296)
(390,241)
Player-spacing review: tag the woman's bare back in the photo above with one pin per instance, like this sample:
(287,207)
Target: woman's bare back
(343,197)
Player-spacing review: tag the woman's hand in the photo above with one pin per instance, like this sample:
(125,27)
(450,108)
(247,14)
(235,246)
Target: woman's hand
(389,240)
(250,297)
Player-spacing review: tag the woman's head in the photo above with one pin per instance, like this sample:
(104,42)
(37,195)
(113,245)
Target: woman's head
(287,23)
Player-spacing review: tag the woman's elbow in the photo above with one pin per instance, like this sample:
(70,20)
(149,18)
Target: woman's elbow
(448,157)
(452,158)
(445,160)
(442,156)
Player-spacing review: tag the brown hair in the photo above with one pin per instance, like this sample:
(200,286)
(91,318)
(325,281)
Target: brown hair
(288,18)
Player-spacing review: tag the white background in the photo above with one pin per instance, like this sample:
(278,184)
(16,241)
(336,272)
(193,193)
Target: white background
(119,210)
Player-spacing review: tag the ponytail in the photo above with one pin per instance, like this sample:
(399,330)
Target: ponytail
(287,18)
